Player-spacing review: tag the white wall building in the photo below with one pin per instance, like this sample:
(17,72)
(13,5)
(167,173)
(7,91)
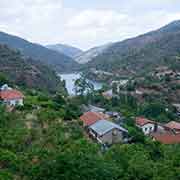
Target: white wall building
(147,126)
(11,97)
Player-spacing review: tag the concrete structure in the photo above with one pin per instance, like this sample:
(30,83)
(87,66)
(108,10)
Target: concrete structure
(146,125)
(96,109)
(106,132)
(173,126)
(108,94)
(167,138)
(10,97)
(90,118)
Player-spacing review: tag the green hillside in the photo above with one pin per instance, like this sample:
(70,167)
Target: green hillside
(57,60)
(26,71)
(141,54)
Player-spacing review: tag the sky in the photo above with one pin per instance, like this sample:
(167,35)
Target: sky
(84,23)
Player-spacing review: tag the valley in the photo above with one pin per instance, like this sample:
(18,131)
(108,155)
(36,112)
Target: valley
(112,112)
(70,82)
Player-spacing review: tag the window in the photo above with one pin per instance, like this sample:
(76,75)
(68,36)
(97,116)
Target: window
(114,133)
(145,129)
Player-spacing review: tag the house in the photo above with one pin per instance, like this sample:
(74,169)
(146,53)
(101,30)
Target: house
(119,84)
(96,109)
(146,125)
(106,132)
(167,138)
(108,94)
(11,97)
(113,114)
(173,126)
(86,108)
(90,118)
(164,71)
(177,108)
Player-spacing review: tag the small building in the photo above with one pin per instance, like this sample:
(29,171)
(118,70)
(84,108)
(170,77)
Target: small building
(173,126)
(108,94)
(11,97)
(167,138)
(90,118)
(86,108)
(146,125)
(177,108)
(96,109)
(106,132)
(113,114)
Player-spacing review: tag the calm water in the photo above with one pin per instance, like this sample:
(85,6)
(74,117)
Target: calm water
(70,80)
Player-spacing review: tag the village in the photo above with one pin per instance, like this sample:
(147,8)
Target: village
(107,127)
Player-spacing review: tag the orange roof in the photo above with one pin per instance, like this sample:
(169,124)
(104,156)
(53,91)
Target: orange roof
(10,94)
(140,121)
(167,138)
(90,118)
(173,125)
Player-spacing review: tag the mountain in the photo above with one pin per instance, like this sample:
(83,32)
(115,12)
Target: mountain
(26,71)
(142,53)
(58,61)
(65,49)
(89,55)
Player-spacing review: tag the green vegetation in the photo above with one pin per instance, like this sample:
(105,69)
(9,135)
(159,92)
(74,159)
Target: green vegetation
(27,72)
(56,60)
(141,54)
(83,86)
(45,140)
(37,142)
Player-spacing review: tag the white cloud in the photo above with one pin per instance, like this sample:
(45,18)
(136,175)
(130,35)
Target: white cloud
(97,18)
(50,21)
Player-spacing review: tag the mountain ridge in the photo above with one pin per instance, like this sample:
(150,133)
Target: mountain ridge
(144,51)
(27,72)
(58,61)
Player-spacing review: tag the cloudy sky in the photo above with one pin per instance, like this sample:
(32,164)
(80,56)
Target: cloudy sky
(85,23)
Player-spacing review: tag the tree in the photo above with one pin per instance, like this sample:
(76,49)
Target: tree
(82,86)
(115,88)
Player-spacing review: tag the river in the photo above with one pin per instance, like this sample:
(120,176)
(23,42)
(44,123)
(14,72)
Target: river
(70,80)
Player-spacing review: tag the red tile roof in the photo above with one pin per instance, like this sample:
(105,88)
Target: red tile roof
(10,94)
(90,118)
(173,125)
(167,138)
(140,121)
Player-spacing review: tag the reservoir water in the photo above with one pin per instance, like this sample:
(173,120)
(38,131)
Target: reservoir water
(70,80)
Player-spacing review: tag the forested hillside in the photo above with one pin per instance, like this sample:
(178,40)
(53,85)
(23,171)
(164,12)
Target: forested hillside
(141,54)
(26,71)
(55,59)
(45,140)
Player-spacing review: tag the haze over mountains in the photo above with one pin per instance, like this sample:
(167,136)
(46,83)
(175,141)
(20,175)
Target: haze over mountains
(66,50)
(89,55)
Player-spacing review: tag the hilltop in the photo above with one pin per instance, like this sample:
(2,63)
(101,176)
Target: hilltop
(140,54)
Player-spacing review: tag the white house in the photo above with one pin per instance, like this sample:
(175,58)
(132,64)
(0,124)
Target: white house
(146,125)
(11,97)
